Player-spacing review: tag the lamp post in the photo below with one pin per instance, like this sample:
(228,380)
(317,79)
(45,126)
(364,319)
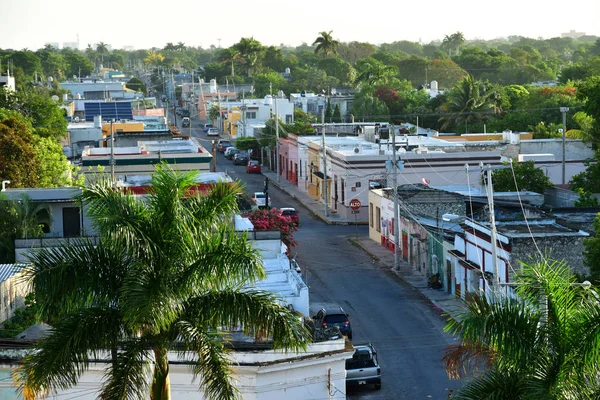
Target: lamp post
(277,166)
(112,153)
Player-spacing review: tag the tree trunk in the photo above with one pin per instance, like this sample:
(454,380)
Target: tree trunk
(161,385)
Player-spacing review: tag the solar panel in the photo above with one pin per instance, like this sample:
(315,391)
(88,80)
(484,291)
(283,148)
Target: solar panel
(108,110)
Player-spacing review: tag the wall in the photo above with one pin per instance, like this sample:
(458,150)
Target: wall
(575,149)
(259,375)
(566,248)
(12,295)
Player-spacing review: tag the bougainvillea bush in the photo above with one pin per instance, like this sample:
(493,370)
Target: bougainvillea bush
(272,220)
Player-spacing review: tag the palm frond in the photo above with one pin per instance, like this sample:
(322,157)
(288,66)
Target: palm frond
(127,378)
(212,364)
(466,359)
(258,312)
(76,275)
(62,357)
(495,385)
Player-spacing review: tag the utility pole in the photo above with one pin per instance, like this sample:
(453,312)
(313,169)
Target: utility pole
(564,111)
(277,166)
(214,154)
(325,166)
(112,153)
(395,188)
(489,187)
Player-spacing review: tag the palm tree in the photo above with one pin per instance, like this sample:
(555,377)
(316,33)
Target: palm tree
(326,44)
(471,100)
(543,343)
(101,48)
(167,272)
(249,50)
(20,218)
(231,55)
(180,46)
(374,72)
(457,39)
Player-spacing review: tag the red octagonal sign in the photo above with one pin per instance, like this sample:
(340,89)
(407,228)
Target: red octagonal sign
(355,204)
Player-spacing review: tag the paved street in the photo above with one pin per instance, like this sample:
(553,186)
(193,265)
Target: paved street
(404,328)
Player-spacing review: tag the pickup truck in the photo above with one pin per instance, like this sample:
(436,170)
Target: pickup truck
(363,368)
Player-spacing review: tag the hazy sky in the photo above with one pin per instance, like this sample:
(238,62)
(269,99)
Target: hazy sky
(144,24)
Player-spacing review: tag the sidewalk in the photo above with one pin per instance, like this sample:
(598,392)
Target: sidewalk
(441,301)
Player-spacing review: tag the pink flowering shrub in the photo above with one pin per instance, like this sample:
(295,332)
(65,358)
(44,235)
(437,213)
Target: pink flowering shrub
(272,220)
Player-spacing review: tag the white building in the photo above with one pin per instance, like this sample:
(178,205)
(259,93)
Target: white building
(259,373)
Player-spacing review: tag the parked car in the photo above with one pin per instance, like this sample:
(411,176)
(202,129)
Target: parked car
(212,132)
(223,144)
(207,127)
(230,152)
(260,199)
(291,214)
(185,122)
(334,316)
(253,167)
(240,159)
(185,113)
(363,368)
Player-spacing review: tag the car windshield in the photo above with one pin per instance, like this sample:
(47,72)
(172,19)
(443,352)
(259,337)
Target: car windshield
(335,319)
(358,364)
(288,212)
(260,196)
(254,163)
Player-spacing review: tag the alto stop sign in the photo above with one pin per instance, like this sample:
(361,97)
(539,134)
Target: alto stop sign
(355,204)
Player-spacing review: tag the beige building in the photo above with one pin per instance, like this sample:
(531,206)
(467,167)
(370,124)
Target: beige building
(12,290)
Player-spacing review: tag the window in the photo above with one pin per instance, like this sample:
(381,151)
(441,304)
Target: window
(371,215)
(250,114)
(378,218)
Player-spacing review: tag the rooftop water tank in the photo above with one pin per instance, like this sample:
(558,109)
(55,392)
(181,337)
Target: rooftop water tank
(434,85)
(213,86)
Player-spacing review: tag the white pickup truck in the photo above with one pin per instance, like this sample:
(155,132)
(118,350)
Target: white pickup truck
(363,368)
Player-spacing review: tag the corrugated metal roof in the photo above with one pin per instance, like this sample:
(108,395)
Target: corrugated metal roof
(8,270)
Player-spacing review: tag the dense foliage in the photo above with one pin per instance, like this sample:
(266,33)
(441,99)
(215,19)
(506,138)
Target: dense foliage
(272,220)
(521,176)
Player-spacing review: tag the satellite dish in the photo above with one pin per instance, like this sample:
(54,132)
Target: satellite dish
(50,79)
(54,98)
(425,181)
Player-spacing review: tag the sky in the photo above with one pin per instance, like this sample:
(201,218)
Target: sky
(143,25)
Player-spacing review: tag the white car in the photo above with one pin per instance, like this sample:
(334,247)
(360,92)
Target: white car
(260,199)
(212,132)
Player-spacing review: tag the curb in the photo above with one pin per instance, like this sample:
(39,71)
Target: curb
(293,196)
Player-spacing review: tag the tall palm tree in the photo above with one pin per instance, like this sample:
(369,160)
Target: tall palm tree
(101,48)
(167,272)
(543,343)
(180,46)
(249,50)
(326,44)
(231,55)
(471,100)
(457,39)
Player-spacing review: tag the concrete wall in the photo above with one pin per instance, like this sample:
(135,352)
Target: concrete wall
(575,149)
(12,295)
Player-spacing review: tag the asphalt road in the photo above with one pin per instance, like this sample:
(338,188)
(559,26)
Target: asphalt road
(405,330)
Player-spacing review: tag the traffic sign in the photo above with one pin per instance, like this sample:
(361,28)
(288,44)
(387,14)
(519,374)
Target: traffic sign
(355,204)
(355,211)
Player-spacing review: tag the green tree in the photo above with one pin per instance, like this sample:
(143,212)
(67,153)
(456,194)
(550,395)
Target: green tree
(55,170)
(102,49)
(326,44)
(542,344)
(136,84)
(591,252)
(338,68)
(166,271)
(20,218)
(18,156)
(589,92)
(469,101)
(250,50)
(366,107)
(231,56)
(328,112)
(521,176)
(373,72)
(337,114)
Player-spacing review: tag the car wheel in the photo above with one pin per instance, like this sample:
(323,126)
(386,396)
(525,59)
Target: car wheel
(378,386)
